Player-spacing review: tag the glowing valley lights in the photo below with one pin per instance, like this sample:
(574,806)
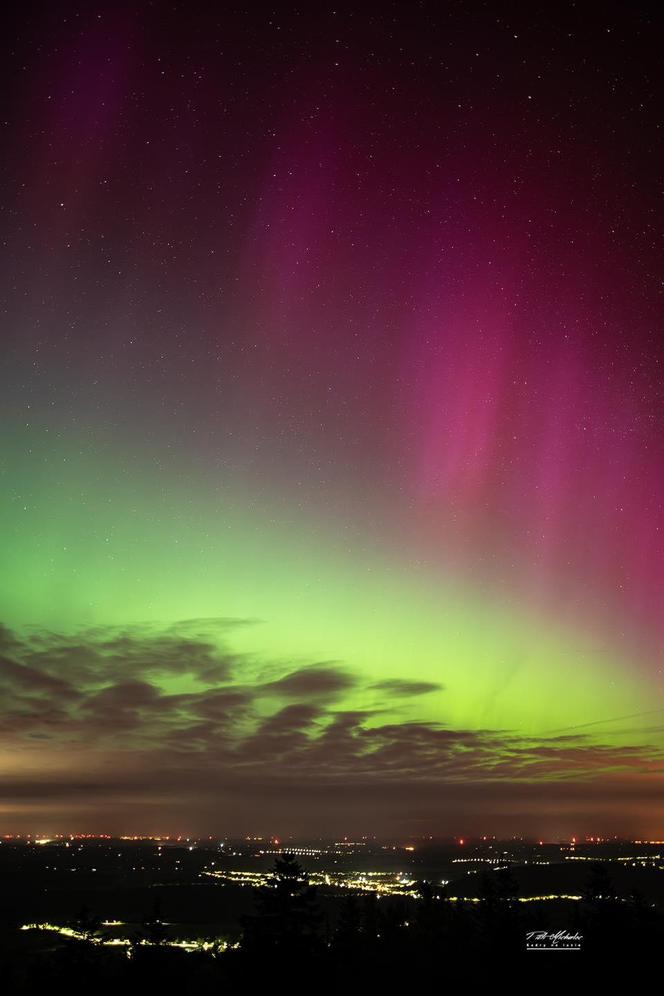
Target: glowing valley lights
(380,883)
(217,945)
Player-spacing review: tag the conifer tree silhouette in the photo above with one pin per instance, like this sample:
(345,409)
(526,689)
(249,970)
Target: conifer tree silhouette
(287,914)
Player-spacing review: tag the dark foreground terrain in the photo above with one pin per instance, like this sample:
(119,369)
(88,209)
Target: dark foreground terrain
(104,916)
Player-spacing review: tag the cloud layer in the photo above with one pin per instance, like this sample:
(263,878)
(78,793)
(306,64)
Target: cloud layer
(145,719)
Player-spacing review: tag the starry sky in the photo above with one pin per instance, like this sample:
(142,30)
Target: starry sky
(332,419)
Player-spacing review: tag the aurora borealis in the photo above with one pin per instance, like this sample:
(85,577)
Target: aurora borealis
(332,420)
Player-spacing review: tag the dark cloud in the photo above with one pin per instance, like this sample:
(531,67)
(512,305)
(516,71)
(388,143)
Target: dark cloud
(99,710)
(31,680)
(147,650)
(312,682)
(400,686)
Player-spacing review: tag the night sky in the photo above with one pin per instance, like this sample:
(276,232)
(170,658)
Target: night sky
(332,415)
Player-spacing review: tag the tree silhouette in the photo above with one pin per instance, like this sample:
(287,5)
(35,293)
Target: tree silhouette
(602,912)
(88,923)
(153,928)
(287,914)
(347,935)
(507,887)
(431,914)
(598,885)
